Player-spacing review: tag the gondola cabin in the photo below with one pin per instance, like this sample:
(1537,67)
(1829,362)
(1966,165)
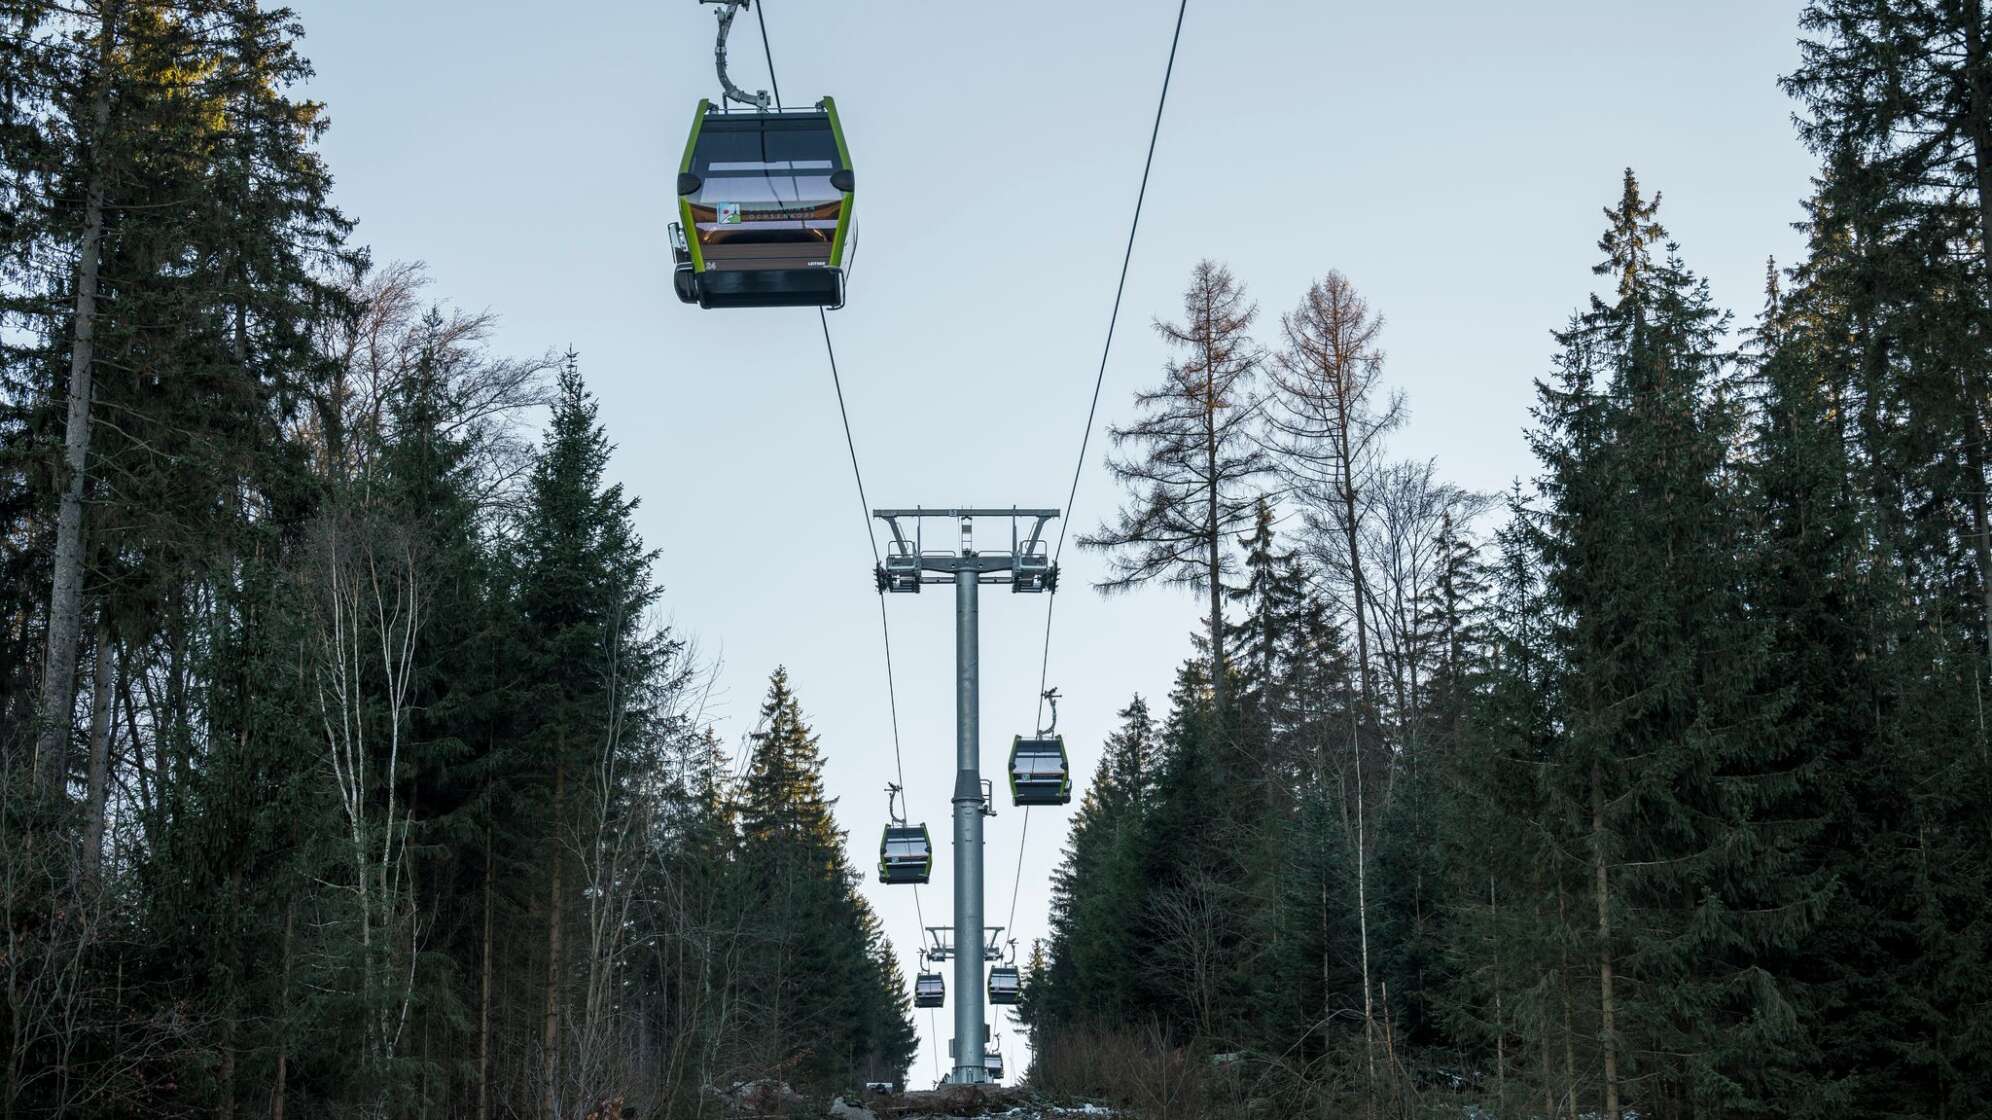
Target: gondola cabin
(764,206)
(905,854)
(1006,984)
(992,1063)
(1040,773)
(929,990)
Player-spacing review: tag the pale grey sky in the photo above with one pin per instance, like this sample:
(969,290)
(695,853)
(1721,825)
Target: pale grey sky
(1450,157)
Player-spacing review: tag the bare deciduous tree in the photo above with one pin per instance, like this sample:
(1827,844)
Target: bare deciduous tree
(1189,459)
(610,839)
(1403,542)
(56,1001)
(1190,957)
(367,623)
(1328,423)
(396,336)
(1328,416)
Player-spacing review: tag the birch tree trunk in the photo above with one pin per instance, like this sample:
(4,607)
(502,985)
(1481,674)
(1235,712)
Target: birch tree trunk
(599,1045)
(1563,995)
(1365,720)
(371,616)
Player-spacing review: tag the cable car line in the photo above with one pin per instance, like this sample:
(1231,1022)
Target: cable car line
(850,444)
(1120,289)
(1017,880)
(864,503)
(864,512)
(723,259)
(1106,350)
(768,52)
(1092,409)
(884,621)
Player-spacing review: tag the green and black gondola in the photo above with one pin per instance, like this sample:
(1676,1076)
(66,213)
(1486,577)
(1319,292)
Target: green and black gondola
(764,207)
(1040,773)
(1006,984)
(929,990)
(905,854)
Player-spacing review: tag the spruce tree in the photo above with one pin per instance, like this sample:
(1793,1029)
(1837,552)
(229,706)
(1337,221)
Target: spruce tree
(1871,643)
(1670,762)
(1510,997)
(817,987)
(1092,978)
(584,585)
(1270,599)
(1198,840)
(1888,316)
(1898,103)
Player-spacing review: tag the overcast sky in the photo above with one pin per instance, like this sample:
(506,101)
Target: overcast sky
(1452,158)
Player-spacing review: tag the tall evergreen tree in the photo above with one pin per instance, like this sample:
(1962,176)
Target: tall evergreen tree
(821,994)
(1890,318)
(1899,104)
(1671,754)
(1271,598)
(584,585)
(1199,836)
(1093,977)
(1511,1000)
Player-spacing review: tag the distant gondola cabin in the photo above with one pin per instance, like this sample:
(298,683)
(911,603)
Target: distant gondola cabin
(1040,772)
(1006,985)
(905,855)
(929,990)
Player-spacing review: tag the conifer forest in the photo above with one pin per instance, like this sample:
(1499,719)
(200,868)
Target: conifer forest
(350,766)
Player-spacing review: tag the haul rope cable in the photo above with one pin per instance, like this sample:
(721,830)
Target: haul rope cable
(864,511)
(1092,410)
(885,627)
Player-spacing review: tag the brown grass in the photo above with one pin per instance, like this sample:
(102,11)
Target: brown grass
(1133,1069)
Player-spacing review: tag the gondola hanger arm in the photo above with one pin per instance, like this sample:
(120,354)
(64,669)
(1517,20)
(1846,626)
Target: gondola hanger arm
(727,10)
